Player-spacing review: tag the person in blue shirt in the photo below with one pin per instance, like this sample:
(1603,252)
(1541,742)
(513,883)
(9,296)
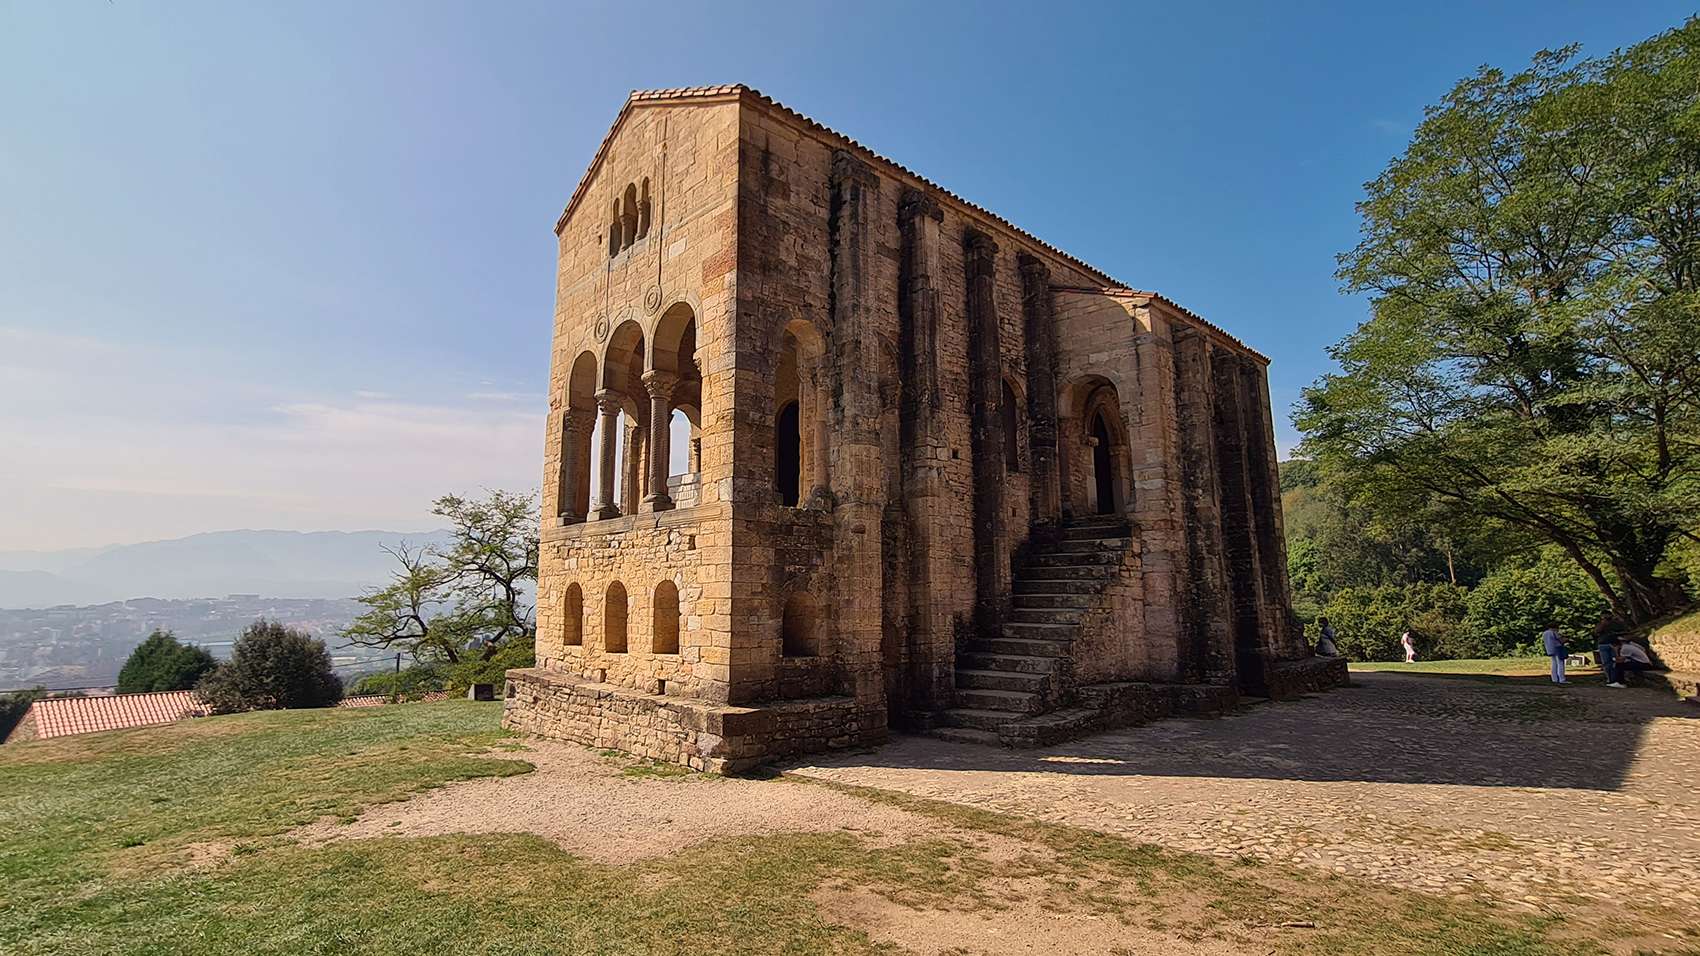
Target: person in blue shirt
(1553,644)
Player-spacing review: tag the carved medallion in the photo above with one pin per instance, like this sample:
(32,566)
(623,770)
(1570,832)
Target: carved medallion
(600,328)
(652,299)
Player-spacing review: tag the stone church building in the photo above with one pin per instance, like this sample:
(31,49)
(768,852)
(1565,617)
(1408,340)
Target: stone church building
(936,476)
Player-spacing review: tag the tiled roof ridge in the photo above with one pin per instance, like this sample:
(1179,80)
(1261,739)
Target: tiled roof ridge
(740,90)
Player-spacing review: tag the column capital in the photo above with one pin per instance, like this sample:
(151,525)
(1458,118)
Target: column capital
(847,168)
(916,204)
(579,420)
(979,244)
(1033,269)
(660,383)
(609,401)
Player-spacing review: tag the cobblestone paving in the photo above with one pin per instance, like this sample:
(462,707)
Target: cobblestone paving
(1510,788)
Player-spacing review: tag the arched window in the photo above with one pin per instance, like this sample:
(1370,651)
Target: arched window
(664,629)
(787,456)
(1011,431)
(572,616)
(614,619)
(643,209)
(629,217)
(799,633)
(614,231)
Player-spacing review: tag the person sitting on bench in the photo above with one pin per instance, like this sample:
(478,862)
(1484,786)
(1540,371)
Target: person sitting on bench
(1632,659)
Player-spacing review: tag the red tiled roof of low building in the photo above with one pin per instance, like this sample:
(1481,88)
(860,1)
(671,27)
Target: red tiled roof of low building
(64,716)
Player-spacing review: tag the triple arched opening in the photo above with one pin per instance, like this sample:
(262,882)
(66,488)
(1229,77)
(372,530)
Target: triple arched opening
(613,461)
(800,413)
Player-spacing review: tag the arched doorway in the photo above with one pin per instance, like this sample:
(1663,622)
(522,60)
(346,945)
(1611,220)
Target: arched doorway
(1103,467)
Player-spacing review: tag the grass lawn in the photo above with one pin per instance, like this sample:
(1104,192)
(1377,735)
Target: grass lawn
(174,840)
(1493,666)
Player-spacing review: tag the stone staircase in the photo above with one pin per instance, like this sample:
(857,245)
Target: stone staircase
(1009,688)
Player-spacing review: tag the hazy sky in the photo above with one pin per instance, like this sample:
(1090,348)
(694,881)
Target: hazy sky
(291,265)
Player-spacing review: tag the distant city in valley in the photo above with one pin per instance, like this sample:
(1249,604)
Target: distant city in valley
(70,618)
(68,646)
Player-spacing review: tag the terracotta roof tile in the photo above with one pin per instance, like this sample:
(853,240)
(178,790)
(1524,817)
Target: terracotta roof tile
(740,91)
(64,716)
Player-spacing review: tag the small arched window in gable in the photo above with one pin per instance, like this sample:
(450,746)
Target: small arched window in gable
(643,209)
(629,217)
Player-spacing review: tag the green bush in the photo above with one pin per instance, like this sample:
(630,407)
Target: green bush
(163,663)
(270,668)
(1512,606)
(1368,620)
(410,683)
(475,668)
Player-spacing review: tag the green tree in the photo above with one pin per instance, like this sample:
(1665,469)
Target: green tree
(473,594)
(163,663)
(1512,606)
(1368,621)
(272,667)
(1531,363)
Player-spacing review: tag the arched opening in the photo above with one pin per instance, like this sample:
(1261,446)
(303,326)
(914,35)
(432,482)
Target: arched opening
(578,427)
(674,381)
(799,416)
(1099,463)
(664,626)
(799,630)
(622,414)
(614,231)
(787,456)
(1103,476)
(614,619)
(572,617)
(643,209)
(629,217)
(1011,414)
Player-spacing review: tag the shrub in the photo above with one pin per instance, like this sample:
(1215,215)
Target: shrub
(1512,606)
(272,667)
(475,668)
(410,683)
(1368,620)
(163,663)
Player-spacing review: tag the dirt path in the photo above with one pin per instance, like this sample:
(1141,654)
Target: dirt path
(1538,796)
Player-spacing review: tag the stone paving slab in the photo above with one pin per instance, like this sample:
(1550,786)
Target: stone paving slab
(1539,796)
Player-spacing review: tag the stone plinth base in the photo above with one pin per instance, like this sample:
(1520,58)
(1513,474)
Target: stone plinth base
(1288,679)
(701,735)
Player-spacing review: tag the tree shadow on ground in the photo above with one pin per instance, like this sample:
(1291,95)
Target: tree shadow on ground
(1388,727)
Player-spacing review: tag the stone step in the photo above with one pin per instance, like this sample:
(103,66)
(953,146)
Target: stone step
(1019,647)
(1096,573)
(1066,559)
(993,679)
(1014,701)
(968,735)
(1070,545)
(968,717)
(1047,615)
(1024,663)
(1040,632)
(1053,600)
(1089,525)
(1026,585)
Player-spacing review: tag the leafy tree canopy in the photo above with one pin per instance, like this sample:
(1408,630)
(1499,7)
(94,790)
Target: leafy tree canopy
(272,667)
(474,593)
(163,663)
(1531,365)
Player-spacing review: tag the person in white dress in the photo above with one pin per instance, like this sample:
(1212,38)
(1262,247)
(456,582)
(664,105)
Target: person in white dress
(1410,647)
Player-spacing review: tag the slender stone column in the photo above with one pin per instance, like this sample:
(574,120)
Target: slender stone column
(929,504)
(986,444)
(858,405)
(631,487)
(660,384)
(575,425)
(609,404)
(1041,335)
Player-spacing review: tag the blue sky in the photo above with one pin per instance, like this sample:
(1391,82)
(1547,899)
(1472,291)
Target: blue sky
(291,265)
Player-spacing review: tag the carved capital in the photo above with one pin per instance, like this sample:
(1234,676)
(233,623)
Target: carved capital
(1033,269)
(846,168)
(578,421)
(660,383)
(981,249)
(609,401)
(916,204)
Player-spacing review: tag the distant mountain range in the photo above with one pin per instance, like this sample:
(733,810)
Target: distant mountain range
(280,564)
